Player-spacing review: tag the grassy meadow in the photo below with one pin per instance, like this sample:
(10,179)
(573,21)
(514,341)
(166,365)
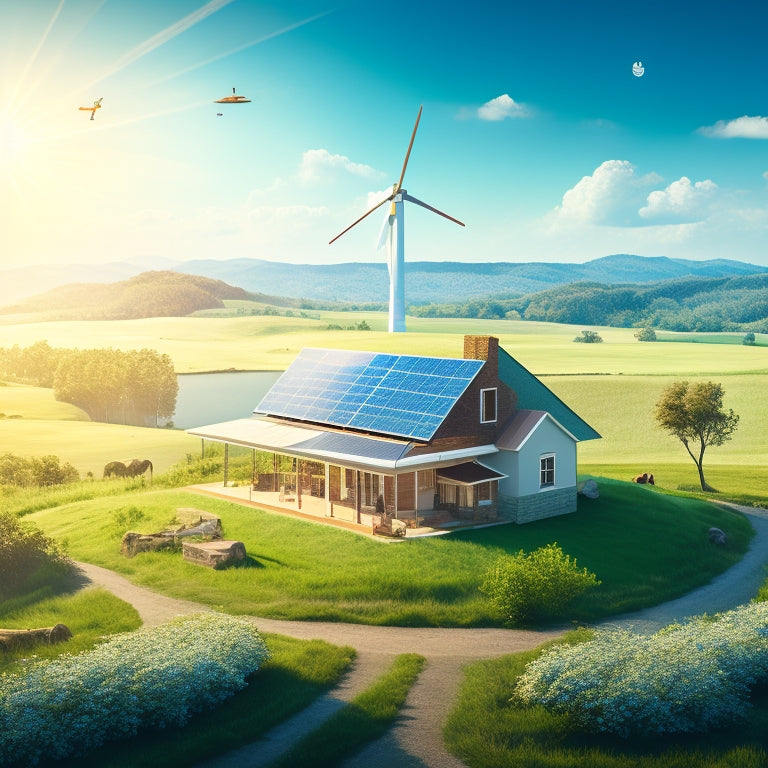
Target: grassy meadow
(613,385)
(631,537)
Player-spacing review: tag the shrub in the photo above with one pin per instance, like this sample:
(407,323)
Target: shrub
(156,677)
(25,550)
(589,337)
(35,471)
(686,678)
(645,334)
(524,587)
(749,339)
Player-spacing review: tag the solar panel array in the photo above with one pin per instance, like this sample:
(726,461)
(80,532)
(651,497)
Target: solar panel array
(399,395)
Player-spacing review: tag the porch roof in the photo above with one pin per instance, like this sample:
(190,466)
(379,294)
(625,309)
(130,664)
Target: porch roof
(358,451)
(469,473)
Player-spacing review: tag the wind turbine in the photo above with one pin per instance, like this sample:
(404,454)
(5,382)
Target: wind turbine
(392,236)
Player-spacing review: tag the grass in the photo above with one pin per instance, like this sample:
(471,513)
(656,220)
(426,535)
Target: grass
(486,731)
(630,537)
(366,718)
(297,673)
(89,615)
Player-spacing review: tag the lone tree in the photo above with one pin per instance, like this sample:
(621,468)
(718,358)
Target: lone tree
(694,414)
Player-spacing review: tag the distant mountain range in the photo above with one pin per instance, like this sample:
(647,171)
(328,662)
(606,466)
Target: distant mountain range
(359,283)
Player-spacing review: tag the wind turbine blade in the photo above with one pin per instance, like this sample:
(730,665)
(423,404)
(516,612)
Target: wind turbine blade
(386,231)
(367,213)
(408,153)
(412,199)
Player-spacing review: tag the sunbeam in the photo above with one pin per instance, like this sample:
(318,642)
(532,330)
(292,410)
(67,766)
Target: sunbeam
(243,47)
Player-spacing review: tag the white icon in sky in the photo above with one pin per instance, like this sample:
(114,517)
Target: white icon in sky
(638,69)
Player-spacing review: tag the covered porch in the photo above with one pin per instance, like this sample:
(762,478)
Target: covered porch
(367,482)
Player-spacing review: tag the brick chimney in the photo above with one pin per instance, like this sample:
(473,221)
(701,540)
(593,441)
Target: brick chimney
(483,348)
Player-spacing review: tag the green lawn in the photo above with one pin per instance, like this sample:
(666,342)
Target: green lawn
(631,537)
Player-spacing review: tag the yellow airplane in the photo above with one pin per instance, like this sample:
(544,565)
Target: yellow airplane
(92,110)
(232,99)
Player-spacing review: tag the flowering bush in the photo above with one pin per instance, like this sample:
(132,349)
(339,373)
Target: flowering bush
(158,676)
(687,678)
(525,586)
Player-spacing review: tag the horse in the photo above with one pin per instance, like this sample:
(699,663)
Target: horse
(115,469)
(136,468)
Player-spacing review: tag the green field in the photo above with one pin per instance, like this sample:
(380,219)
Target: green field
(613,385)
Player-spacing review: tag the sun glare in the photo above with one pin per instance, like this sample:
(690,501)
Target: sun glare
(13,140)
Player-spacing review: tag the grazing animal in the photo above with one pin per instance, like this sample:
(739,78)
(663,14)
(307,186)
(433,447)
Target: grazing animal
(136,468)
(644,478)
(115,469)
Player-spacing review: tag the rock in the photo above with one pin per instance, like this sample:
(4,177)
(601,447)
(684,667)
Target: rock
(716,536)
(189,517)
(589,489)
(213,554)
(133,543)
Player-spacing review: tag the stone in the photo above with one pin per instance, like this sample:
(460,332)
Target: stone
(134,543)
(213,554)
(717,536)
(589,489)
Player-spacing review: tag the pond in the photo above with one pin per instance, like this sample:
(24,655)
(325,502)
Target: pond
(208,398)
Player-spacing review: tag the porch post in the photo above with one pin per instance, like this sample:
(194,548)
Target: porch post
(226,464)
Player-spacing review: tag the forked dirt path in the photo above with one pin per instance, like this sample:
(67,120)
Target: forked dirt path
(415,741)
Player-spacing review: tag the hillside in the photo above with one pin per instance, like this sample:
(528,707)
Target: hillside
(150,294)
(363,283)
(427,282)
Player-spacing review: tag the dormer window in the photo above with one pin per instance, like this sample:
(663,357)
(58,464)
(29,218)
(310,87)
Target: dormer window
(488,399)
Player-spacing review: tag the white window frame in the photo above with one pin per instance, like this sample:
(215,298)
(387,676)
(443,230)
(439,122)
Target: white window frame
(546,471)
(495,405)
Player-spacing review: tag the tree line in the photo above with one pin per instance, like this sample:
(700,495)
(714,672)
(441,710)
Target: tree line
(685,304)
(137,387)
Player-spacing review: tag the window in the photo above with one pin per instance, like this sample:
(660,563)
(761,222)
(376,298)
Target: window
(547,475)
(487,405)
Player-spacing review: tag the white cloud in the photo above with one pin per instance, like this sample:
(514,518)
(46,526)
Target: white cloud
(501,107)
(319,164)
(741,128)
(680,202)
(611,196)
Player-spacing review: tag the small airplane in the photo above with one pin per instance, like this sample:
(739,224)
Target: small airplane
(92,110)
(233,99)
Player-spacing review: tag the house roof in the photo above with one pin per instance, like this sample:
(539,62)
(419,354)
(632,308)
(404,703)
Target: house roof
(321,444)
(532,395)
(523,424)
(398,395)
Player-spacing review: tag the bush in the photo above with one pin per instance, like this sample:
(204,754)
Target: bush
(156,677)
(524,587)
(749,339)
(25,550)
(645,334)
(589,337)
(35,471)
(686,678)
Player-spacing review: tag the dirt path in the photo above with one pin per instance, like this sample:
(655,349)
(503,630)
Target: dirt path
(416,741)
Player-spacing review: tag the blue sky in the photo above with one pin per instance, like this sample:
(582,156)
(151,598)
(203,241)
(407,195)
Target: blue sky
(535,132)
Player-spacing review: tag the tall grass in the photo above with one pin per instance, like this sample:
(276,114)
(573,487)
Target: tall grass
(631,538)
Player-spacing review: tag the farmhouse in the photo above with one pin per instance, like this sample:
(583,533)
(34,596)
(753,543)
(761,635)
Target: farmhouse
(391,441)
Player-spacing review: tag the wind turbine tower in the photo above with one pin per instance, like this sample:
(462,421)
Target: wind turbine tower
(393,240)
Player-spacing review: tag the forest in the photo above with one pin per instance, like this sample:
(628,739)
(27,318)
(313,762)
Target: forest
(137,387)
(711,304)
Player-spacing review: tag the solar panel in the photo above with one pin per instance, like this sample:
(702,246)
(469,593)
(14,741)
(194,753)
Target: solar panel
(399,395)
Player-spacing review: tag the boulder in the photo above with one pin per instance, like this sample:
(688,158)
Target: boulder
(717,536)
(213,554)
(589,489)
(134,543)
